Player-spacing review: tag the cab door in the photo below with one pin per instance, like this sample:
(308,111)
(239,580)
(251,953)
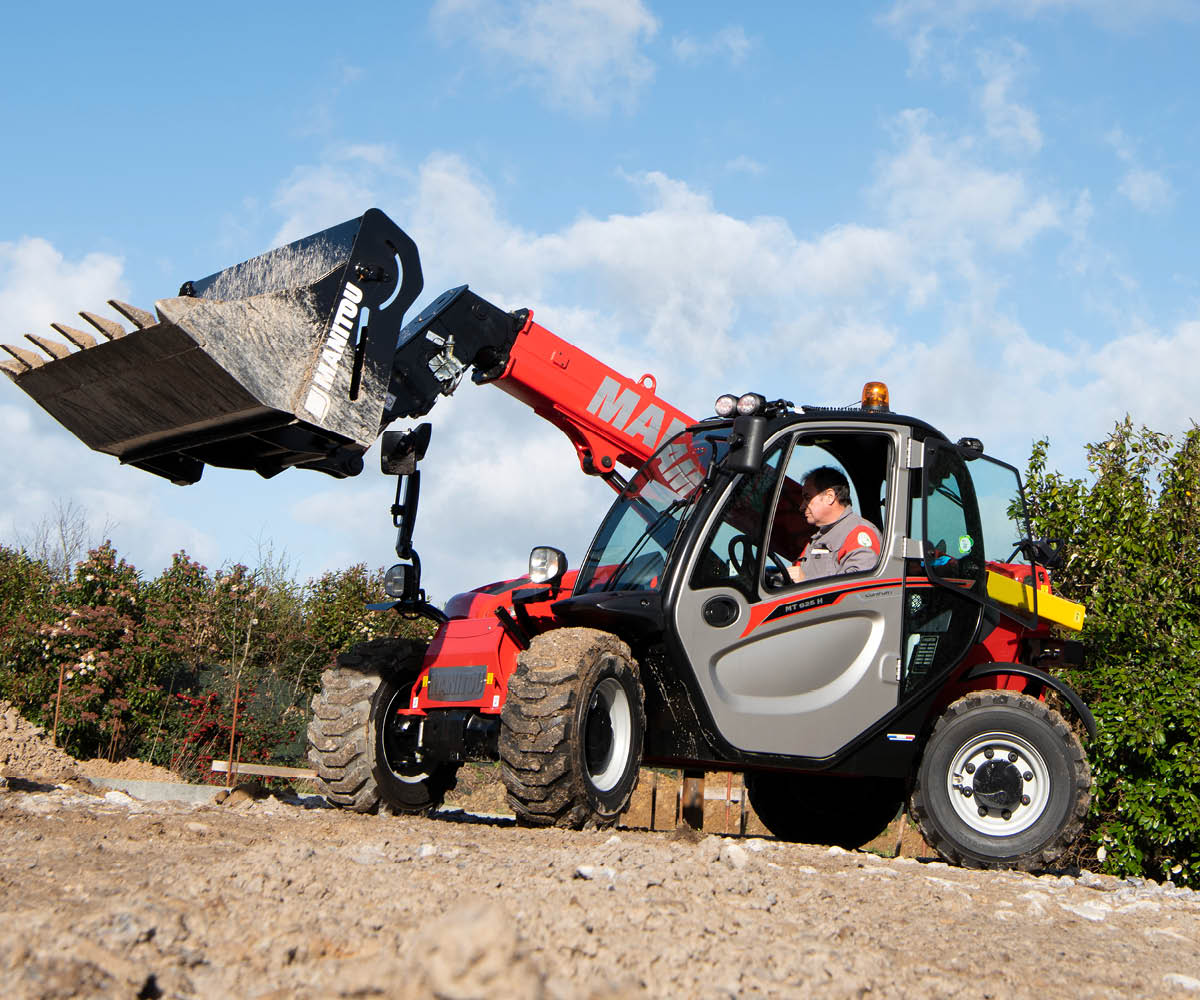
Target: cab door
(969,510)
(797,669)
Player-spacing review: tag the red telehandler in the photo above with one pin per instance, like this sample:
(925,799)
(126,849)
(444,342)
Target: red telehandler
(681,640)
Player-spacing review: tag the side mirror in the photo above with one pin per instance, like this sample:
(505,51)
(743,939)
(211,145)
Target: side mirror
(402,450)
(547,565)
(746,444)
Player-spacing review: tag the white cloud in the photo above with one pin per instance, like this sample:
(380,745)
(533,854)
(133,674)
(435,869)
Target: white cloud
(316,197)
(1011,124)
(1147,190)
(1149,374)
(936,193)
(1116,15)
(581,55)
(728,43)
(744,164)
(39,285)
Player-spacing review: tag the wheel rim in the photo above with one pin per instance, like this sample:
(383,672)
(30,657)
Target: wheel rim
(398,744)
(608,734)
(998,784)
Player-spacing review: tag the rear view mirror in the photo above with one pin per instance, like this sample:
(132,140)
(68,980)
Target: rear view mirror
(746,444)
(402,450)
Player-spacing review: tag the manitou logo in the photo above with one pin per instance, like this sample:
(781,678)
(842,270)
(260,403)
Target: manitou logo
(340,331)
(620,407)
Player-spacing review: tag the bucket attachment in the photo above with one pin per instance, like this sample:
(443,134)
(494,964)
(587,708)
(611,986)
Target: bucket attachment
(282,361)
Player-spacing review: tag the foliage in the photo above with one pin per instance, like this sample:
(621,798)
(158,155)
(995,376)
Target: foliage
(151,668)
(1132,533)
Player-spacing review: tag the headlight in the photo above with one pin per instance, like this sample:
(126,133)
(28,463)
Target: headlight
(725,405)
(546,564)
(750,404)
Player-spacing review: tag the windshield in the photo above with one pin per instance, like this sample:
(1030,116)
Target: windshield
(630,549)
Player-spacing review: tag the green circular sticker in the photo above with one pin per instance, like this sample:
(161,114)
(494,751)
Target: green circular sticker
(965,544)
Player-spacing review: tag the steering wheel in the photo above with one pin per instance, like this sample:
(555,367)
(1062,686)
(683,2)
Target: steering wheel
(777,575)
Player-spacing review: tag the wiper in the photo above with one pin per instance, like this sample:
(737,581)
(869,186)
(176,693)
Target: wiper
(636,548)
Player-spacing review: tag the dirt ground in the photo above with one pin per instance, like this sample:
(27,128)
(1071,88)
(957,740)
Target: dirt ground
(105,896)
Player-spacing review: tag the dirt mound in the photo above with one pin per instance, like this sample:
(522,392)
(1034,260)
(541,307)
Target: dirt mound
(25,752)
(129,769)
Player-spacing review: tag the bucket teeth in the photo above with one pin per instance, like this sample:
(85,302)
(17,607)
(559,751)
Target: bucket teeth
(79,338)
(52,347)
(27,358)
(109,327)
(13,368)
(138,317)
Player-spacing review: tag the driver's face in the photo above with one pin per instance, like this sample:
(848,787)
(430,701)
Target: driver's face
(816,503)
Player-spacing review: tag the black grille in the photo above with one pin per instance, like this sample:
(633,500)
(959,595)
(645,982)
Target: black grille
(457,683)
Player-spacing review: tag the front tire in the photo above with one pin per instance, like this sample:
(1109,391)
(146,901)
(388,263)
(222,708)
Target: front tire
(364,754)
(572,730)
(1003,783)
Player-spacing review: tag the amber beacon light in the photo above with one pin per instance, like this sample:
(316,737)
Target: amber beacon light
(875,396)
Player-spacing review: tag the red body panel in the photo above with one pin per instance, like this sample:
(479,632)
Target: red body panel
(474,636)
(610,419)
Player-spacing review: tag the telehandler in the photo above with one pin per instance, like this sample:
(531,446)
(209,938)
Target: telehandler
(681,640)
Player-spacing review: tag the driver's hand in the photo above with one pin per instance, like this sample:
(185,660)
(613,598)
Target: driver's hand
(796,573)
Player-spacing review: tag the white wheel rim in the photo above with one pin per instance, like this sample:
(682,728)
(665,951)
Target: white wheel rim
(611,698)
(415,773)
(965,768)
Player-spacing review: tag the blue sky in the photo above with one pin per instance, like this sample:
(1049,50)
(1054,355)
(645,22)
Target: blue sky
(990,206)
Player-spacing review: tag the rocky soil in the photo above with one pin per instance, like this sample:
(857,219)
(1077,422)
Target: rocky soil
(105,896)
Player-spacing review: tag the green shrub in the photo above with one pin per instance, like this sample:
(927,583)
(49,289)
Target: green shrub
(150,668)
(1132,533)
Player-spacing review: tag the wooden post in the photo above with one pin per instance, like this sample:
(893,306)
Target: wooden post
(57,704)
(237,691)
(900,824)
(653,796)
(691,799)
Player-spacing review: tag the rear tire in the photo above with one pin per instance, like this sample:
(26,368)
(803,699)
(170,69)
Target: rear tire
(1003,783)
(359,746)
(572,730)
(821,809)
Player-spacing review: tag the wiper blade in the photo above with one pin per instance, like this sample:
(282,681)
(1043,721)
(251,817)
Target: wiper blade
(636,548)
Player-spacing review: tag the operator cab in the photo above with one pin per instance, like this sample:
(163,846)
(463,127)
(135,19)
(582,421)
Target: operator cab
(693,557)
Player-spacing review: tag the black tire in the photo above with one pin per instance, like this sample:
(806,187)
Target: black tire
(571,731)
(357,743)
(822,809)
(1013,757)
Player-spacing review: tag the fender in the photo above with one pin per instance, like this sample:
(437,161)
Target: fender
(1034,673)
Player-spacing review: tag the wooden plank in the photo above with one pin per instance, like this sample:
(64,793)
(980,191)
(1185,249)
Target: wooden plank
(691,800)
(265,770)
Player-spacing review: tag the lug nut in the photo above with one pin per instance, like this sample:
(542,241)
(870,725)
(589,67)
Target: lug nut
(1024,800)
(1027,776)
(983,810)
(967,791)
(1006,814)
(970,769)
(1012,756)
(989,753)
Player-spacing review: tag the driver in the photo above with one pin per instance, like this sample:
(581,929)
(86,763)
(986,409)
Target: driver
(843,542)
